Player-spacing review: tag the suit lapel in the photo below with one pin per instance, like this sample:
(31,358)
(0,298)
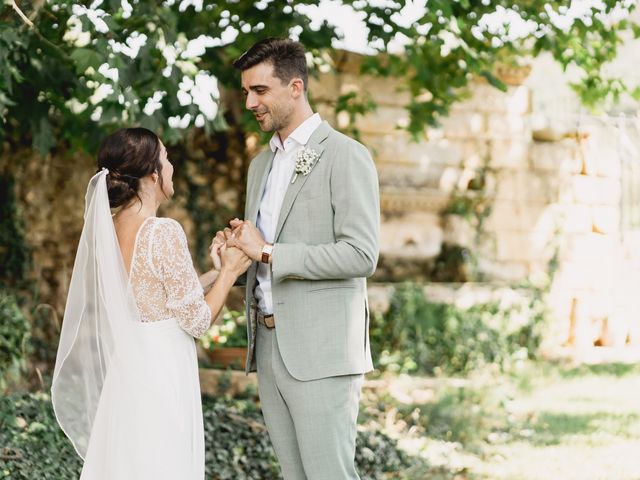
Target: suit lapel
(314,143)
(264,167)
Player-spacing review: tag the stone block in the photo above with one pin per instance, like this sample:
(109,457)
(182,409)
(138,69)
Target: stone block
(475,152)
(416,234)
(400,201)
(527,186)
(463,125)
(549,220)
(502,271)
(383,91)
(512,216)
(592,190)
(507,125)
(327,112)
(576,219)
(606,219)
(324,88)
(557,157)
(559,301)
(402,176)
(509,153)
(610,166)
(450,179)
(585,325)
(397,148)
(616,329)
(634,331)
(597,304)
(631,249)
(458,231)
(379,297)
(485,98)
(602,151)
(593,275)
(519,247)
(385,120)
(590,248)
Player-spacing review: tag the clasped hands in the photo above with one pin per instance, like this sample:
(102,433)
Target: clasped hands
(241,242)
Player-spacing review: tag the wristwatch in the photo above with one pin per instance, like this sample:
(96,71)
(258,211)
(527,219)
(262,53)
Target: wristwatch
(266,252)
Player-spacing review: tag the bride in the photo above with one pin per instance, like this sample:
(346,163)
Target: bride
(125,388)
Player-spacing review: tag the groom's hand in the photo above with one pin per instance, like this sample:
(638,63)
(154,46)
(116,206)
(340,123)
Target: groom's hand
(246,236)
(221,238)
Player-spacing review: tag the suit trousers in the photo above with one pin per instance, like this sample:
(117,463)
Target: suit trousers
(312,424)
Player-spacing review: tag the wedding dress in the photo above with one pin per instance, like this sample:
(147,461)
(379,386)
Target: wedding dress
(125,388)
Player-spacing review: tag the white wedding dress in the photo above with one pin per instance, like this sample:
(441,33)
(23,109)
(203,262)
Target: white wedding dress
(125,387)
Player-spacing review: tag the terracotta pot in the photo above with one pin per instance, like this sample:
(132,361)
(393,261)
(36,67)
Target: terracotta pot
(228,357)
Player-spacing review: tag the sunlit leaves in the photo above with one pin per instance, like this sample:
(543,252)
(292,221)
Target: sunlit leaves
(81,71)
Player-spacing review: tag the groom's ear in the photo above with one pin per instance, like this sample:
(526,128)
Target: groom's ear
(297,87)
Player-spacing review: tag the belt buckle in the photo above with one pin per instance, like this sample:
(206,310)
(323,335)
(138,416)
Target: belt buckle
(269,321)
(266,320)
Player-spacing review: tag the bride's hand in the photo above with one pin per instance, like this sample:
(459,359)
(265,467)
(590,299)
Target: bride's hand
(235,260)
(215,250)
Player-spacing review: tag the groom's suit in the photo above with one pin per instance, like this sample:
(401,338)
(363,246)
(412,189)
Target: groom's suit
(311,365)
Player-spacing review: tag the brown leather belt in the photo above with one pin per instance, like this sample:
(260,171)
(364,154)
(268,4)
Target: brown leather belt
(266,320)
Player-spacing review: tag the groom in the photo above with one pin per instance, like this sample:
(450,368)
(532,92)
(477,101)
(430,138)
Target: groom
(312,227)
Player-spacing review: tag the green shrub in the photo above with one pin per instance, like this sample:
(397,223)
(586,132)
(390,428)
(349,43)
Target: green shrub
(417,335)
(231,332)
(33,444)
(14,338)
(15,257)
(464,415)
(378,456)
(237,444)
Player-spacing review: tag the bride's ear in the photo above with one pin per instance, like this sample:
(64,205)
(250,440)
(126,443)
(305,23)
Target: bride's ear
(154,177)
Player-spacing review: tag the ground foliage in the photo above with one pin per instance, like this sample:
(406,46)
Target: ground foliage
(237,444)
(419,335)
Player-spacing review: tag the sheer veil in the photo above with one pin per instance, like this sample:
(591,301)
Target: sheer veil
(98,320)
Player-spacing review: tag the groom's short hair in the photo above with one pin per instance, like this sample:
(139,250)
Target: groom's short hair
(287,57)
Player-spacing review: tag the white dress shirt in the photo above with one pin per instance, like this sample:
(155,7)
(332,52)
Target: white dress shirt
(278,181)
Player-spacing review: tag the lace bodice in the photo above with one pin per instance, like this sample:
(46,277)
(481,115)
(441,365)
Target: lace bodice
(163,279)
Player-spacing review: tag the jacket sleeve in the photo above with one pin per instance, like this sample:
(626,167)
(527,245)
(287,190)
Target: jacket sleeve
(356,203)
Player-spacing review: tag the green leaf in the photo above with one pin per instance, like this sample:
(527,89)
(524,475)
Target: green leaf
(85,58)
(43,139)
(493,80)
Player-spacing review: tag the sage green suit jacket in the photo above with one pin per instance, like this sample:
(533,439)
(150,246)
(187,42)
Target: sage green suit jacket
(326,244)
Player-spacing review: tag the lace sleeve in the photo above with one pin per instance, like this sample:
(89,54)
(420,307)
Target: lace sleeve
(185,298)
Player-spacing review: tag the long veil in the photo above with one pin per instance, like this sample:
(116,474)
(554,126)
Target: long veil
(98,320)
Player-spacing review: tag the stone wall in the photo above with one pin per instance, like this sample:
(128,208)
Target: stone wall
(547,193)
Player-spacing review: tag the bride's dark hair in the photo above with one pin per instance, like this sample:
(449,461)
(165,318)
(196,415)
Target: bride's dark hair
(129,154)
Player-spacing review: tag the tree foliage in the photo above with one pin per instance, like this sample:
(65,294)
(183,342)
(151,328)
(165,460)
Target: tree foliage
(71,70)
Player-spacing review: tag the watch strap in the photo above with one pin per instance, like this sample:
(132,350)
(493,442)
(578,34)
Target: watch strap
(266,253)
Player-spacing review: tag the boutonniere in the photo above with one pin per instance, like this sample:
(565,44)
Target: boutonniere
(305,160)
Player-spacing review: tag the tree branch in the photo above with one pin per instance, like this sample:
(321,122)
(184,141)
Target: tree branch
(20,13)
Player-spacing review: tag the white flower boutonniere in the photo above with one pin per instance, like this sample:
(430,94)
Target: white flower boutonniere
(305,160)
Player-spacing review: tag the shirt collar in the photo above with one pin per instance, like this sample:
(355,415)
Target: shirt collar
(300,135)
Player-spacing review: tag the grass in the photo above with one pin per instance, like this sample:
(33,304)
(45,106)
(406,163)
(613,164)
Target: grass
(546,422)
(584,425)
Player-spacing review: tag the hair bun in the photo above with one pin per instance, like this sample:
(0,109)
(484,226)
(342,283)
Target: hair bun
(130,154)
(121,188)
